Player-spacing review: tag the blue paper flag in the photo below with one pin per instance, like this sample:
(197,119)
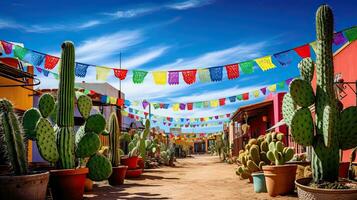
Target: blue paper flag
(45,72)
(284,58)
(81,69)
(216,73)
(103,99)
(127,103)
(36,59)
(232,99)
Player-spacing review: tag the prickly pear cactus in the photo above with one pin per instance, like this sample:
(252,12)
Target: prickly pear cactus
(333,129)
(61,144)
(253,158)
(11,140)
(278,153)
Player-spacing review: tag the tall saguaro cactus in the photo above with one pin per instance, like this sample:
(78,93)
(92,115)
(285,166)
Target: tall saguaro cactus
(114,138)
(333,128)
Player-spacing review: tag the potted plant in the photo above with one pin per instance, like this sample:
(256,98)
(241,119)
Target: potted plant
(251,161)
(57,141)
(279,177)
(131,160)
(119,171)
(19,182)
(333,128)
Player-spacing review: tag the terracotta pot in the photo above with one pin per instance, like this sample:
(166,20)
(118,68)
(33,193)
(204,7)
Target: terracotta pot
(141,163)
(133,173)
(131,162)
(279,179)
(306,193)
(26,187)
(343,169)
(118,175)
(40,166)
(68,183)
(88,185)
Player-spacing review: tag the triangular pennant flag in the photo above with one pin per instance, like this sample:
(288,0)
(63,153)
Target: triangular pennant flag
(36,58)
(50,62)
(264,90)
(160,77)
(55,75)
(272,88)
(45,72)
(314,46)
(281,85)
(174,77)
(214,103)
(39,69)
(20,52)
(120,73)
(222,101)
(145,104)
(102,73)
(351,34)
(303,51)
(81,70)
(256,93)
(204,75)
(7,46)
(265,63)
(189,76)
(216,73)
(284,58)
(232,99)
(289,81)
(232,71)
(139,76)
(339,38)
(247,67)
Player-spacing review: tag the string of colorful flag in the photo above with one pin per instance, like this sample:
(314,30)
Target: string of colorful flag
(172,77)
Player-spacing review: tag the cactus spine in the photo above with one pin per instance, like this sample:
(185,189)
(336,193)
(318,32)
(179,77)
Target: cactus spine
(334,129)
(11,138)
(114,137)
(65,115)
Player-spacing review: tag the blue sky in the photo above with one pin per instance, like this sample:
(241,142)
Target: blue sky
(168,35)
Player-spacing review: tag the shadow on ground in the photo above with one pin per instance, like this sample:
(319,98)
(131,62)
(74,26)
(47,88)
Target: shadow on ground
(110,192)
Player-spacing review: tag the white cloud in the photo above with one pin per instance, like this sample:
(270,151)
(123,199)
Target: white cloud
(184,5)
(140,59)
(132,12)
(96,50)
(236,53)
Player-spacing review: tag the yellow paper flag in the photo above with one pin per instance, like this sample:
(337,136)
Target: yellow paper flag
(160,77)
(214,103)
(176,106)
(124,113)
(113,100)
(313,45)
(256,93)
(265,63)
(102,73)
(272,88)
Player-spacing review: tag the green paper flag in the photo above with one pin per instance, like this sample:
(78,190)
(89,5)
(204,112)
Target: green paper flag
(20,52)
(281,85)
(139,76)
(351,34)
(240,97)
(247,67)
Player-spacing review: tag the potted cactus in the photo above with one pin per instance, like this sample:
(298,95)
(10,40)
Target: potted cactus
(332,129)
(279,177)
(59,144)
(119,171)
(19,182)
(252,160)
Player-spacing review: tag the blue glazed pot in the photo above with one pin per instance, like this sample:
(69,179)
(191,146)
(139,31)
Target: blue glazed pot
(259,182)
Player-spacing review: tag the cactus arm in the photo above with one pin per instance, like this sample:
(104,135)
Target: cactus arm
(29,121)
(301,92)
(84,104)
(46,140)
(306,67)
(302,127)
(348,126)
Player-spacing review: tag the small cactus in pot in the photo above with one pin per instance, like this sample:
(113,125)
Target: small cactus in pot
(278,153)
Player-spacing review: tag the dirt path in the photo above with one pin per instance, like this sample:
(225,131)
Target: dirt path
(201,177)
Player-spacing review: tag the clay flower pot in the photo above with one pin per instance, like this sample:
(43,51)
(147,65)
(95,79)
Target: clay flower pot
(259,182)
(306,193)
(25,187)
(141,163)
(279,179)
(88,185)
(68,183)
(133,173)
(118,175)
(131,162)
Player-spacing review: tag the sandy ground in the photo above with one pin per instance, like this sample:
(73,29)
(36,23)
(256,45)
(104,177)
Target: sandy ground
(200,177)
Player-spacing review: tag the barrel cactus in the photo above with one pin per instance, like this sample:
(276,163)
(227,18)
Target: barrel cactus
(253,158)
(333,128)
(57,140)
(278,153)
(11,139)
